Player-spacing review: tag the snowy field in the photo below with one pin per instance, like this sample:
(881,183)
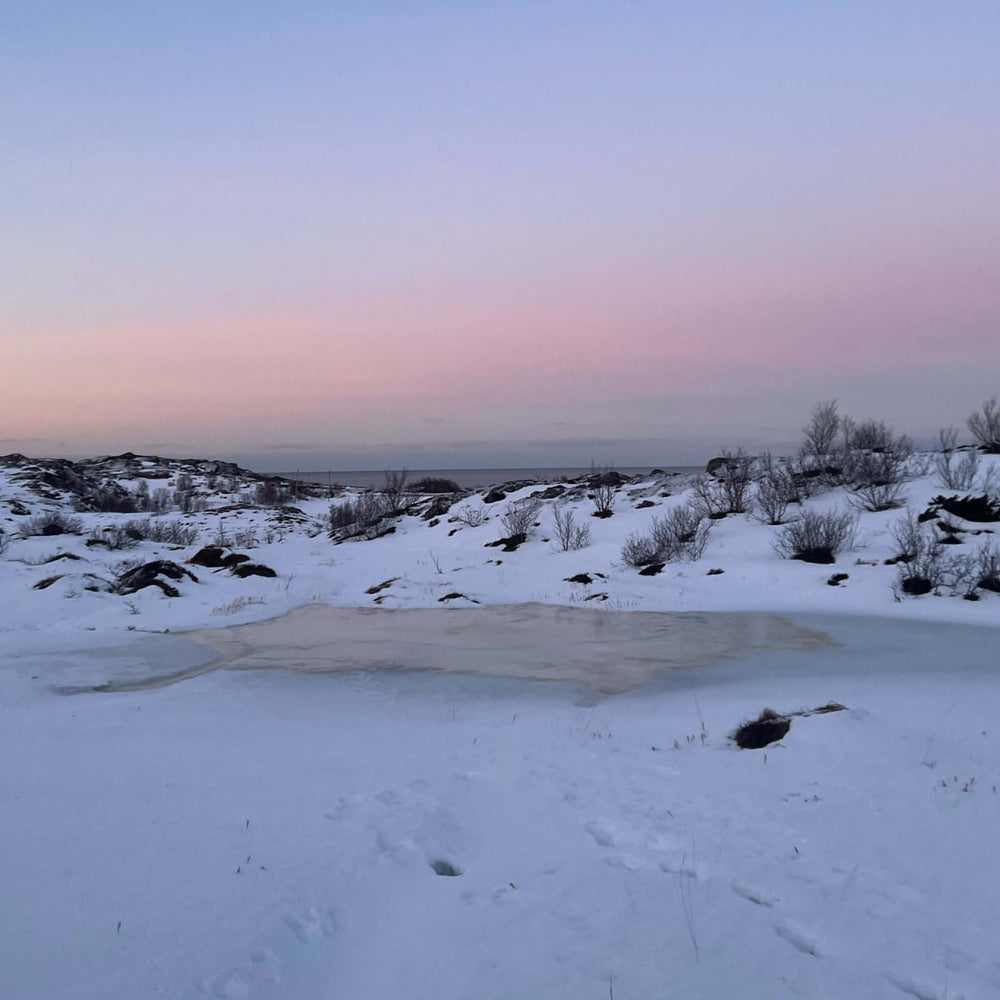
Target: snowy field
(389,818)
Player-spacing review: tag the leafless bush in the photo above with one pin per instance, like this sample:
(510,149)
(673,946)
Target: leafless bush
(988,568)
(161,530)
(708,497)
(4,541)
(776,491)
(471,516)
(569,534)
(817,538)
(679,535)
(271,493)
(955,472)
(519,518)
(985,426)
(958,573)
(51,523)
(393,488)
(115,537)
(870,435)
(360,517)
(603,496)
(924,573)
(875,497)
(735,477)
(640,550)
(821,431)
(245,538)
(909,536)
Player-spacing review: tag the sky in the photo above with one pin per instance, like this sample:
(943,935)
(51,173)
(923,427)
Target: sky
(461,235)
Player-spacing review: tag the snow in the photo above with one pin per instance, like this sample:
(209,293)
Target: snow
(358,827)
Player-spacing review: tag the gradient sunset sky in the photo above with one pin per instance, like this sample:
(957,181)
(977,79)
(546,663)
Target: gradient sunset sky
(353,235)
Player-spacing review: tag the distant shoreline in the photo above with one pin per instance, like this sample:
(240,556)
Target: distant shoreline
(472,478)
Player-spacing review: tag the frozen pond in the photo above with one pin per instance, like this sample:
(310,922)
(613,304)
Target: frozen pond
(609,652)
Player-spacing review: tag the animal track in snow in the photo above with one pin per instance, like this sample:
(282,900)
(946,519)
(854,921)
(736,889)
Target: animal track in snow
(753,895)
(313,925)
(796,939)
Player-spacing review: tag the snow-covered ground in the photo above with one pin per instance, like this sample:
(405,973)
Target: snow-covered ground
(389,833)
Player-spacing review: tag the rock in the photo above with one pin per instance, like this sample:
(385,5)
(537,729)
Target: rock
(148,575)
(210,557)
(246,569)
(494,496)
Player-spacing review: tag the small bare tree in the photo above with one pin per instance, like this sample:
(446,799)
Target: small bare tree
(821,431)
(393,488)
(985,426)
(569,534)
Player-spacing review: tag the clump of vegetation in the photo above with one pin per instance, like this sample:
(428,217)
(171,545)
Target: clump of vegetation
(985,426)
(433,484)
(767,728)
(570,536)
(519,518)
(50,523)
(471,516)
(817,538)
(777,489)
(955,470)
(679,535)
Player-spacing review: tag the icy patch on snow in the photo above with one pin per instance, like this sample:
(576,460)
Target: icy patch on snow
(609,653)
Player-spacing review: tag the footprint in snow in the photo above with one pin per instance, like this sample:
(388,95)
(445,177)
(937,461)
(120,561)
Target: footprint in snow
(313,925)
(753,895)
(796,939)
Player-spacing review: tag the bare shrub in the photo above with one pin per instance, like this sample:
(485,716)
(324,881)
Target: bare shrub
(909,536)
(245,538)
(603,496)
(875,497)
(569,535)
(679,535)
(393,489)
(519,518)
(821,431)
(115,537)
(988,568)
(955,472)
(161,531)
(271,493)
(363,516)
(471,516)
(817,538)
(869,435)
(924,573)
(735,477)
(985,426)
(51,523)
(708,497)
(434,484)
(640,550)
(776,491)
(4,541)
(959,575)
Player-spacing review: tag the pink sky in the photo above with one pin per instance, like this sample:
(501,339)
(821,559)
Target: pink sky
(438,258)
